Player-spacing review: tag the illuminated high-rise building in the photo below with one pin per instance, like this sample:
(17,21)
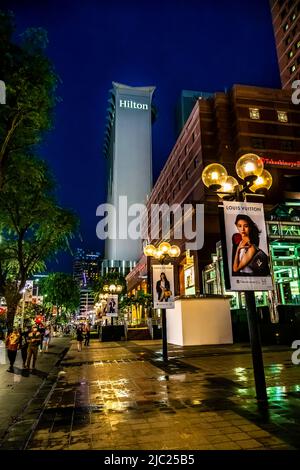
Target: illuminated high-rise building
(286,24)
(128,149)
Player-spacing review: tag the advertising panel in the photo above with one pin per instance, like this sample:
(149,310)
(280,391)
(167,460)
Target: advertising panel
(163,286)
(112,306)
(246,247)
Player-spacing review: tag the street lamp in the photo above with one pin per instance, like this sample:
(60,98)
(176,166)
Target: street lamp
(250,168)
(163,251)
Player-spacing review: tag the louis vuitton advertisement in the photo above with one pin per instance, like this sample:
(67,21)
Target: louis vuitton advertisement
(247,246)
(112,306)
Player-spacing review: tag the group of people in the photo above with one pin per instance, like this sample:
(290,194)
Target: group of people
(83,332)
(29,342)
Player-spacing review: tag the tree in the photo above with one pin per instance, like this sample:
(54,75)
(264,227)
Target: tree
(33,227)
(61,290)
(31,84)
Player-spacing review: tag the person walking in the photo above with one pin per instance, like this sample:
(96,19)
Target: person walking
(34,340)
(24,344)
(87,335)
(79,337)
(46,339)
(12,345)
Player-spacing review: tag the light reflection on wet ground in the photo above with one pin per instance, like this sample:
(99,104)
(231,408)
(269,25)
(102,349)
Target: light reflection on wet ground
(123,396)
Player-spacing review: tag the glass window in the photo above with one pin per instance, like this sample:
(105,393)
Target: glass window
(298,45)
(287,145)
(257,142)
(282,116)
(292,68)
(254,113)
(290,54)
(286,27)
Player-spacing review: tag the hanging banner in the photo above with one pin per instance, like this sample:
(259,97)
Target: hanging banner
(246,247)
(163,286)
(112,306)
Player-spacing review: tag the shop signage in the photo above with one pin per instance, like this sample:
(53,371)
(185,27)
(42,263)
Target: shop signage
(163,286)
(246,248)
(129,104)
(281,163)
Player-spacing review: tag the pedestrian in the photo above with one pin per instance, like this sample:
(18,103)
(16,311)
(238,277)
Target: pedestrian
(46,339)
(87,335)
(79,337)
(24,344)
(34,340)
(41,330)
(12,345)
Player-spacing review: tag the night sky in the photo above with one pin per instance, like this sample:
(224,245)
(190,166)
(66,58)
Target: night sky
(171,44)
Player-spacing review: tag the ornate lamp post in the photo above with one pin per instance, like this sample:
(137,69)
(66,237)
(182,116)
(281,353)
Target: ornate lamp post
(164,250)
(256,181)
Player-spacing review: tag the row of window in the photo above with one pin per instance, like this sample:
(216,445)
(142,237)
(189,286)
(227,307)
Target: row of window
(254,113)
(293,15)
(293,67)
(259,143)
(291,36)
(178,186)
(292,52)
(288,4)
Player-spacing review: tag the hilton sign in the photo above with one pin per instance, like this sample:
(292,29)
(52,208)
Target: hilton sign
(129,104)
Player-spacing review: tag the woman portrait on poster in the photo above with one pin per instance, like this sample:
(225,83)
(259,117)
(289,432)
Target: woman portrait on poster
(163,288)
(248,258)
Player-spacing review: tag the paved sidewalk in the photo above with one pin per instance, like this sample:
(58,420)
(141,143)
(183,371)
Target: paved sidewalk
(22,394)
(121,396)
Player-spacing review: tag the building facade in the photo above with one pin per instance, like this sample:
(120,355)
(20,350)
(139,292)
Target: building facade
(220,129)
(128,149)
(286,25)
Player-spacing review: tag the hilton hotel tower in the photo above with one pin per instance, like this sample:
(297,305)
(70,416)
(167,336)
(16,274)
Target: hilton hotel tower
(128,150)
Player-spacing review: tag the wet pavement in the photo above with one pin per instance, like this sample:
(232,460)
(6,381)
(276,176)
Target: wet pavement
(122,396)
(23,393)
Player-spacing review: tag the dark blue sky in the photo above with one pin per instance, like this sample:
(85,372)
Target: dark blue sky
(202,45)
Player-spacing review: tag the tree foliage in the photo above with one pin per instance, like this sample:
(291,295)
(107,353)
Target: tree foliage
(33,227)
(31,84)
(61,290)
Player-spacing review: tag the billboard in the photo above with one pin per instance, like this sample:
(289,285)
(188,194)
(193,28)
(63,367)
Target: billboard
(163,286)
(112,306)
(246,247)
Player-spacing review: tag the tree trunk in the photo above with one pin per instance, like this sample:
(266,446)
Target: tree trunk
(11,313)
(12,297)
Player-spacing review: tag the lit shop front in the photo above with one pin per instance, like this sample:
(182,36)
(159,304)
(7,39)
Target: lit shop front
(279,309)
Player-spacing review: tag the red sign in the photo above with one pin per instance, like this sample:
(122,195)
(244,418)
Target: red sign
(281,163)
(2,310)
